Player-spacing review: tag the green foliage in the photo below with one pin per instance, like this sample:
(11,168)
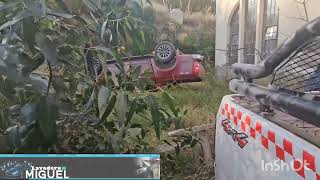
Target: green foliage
(154,107)
(52,104)
(103,101)
(199,42)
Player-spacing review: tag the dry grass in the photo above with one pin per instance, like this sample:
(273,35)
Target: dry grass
(199,19)
(161,14)
(192,21)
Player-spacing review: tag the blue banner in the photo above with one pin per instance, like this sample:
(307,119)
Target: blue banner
(80,166)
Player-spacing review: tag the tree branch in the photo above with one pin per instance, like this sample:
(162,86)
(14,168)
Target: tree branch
(304,17)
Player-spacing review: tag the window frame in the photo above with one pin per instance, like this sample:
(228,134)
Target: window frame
(234,33)
(250,31)
(270,20)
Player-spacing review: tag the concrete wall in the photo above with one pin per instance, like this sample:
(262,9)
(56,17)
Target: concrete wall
(290,16)
(290,11)
(224,11)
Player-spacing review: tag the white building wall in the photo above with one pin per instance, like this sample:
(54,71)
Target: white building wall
(224,10)
(290,16)
(290,12)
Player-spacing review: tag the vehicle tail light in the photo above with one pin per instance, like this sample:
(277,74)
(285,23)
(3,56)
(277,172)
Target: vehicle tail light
(196,68)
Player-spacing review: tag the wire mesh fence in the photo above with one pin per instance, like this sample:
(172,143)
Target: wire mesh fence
(300,72)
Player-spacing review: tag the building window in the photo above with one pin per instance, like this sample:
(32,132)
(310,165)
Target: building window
(234,37)
(250,32)
(270,30)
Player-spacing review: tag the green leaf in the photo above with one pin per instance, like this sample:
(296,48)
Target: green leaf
(4,119)
(143,37)
(29,63)
(110,126)
(121,108)
(103,100)
(123,32)
(37,8)
(81,140)
(170,102)
(13,136)
(135,7)
(57,14)
(103,29)
(62,4)
(154,109)
(34,9)
(28,113)
(143,133)
(177,149)
(136,126)
(109,108)
(114,79)
(10,66)
(131,112)
(48,48)
(90,101)
(9,23)
(8,5)
(90,5)
(7,88)
(46,117)
(136,73)
(29,32)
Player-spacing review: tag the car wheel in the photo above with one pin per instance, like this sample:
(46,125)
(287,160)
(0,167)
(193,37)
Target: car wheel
(165,52)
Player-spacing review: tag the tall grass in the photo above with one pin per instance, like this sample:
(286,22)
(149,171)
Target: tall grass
(201,100)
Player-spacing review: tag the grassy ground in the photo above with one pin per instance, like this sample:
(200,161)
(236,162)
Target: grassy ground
(201,100)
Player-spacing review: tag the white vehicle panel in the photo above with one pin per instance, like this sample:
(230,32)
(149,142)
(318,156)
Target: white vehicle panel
(262,142)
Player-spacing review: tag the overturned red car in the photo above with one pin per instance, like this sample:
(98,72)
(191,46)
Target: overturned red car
(166,65)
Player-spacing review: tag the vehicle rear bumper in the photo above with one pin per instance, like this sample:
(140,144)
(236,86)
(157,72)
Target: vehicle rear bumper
(249,146)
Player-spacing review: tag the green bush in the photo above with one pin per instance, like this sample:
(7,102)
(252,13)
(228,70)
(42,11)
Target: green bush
(198,42)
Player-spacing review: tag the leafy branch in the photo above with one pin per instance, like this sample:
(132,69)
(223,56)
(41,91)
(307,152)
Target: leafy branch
(44,106)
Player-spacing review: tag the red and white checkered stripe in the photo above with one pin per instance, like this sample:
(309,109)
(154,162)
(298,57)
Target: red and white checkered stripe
(275,141)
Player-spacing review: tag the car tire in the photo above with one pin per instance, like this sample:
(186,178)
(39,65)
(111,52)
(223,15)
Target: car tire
(164,52)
